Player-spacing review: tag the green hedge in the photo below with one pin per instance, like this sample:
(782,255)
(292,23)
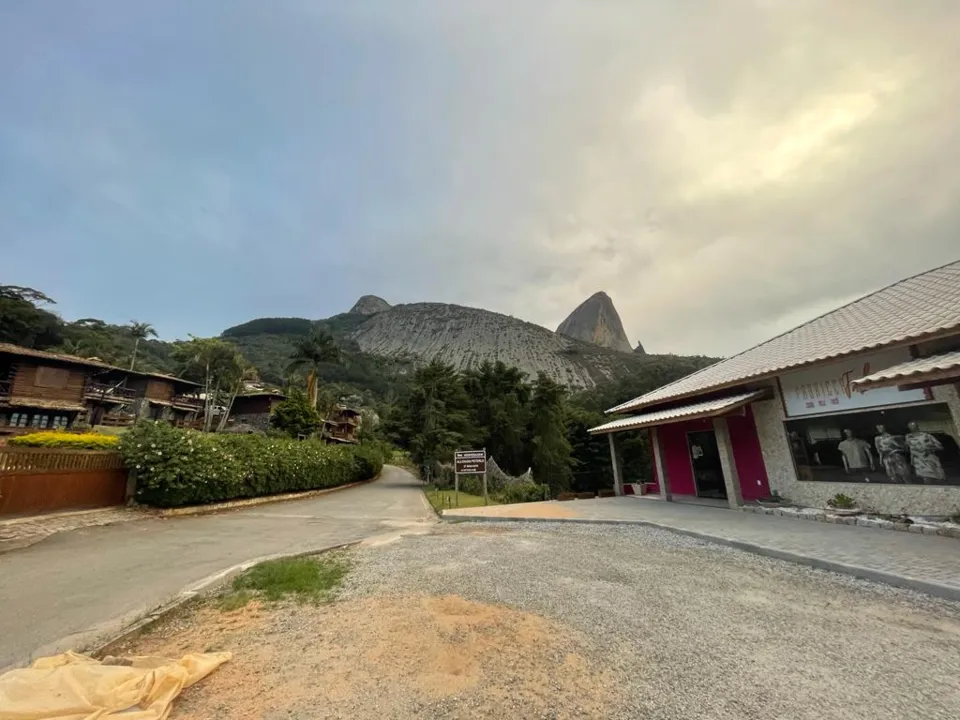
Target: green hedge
(184,467)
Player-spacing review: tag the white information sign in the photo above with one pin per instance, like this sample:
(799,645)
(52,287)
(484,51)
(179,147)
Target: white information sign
(826,388)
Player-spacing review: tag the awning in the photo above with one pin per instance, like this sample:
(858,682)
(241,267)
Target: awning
(931,370)
(44,404)
(710,408)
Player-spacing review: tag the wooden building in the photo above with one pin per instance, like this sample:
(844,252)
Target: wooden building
(253,408)
(342,426)
(40,390)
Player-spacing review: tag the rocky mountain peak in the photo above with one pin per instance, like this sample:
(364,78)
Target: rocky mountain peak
(370,305)
(596,321)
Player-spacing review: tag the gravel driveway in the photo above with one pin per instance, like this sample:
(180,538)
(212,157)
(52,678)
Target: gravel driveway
(536,620)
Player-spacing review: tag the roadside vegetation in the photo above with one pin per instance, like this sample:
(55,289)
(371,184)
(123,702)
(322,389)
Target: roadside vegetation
(446,499)
(184,467)
(63,439)
(305,579)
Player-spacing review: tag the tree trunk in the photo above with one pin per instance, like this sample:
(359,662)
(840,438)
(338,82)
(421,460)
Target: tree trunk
(216,396)
(312,387)
(133,360)
(207,399)
(233,396)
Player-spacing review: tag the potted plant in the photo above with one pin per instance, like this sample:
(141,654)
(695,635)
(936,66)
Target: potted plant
(773,500)
(841,504)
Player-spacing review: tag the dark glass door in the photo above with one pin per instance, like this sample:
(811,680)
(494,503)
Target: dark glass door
(707,470)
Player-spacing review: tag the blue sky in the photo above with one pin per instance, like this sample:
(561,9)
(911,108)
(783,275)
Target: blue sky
(723,170)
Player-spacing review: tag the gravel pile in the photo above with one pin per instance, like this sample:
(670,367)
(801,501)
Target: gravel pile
(687,629)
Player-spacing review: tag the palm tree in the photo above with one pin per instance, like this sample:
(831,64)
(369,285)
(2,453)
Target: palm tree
(139,331)
(311,352)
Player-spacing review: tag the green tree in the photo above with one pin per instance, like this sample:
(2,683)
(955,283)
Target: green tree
(139,331)
(551,451)
(311,353)
(434,417)
(500,395)
(221,369)
(22,322)
(295,416)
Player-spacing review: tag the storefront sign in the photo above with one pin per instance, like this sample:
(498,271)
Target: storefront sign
(827,389)
(468,462)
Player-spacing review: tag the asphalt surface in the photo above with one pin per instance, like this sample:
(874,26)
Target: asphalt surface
(78,587)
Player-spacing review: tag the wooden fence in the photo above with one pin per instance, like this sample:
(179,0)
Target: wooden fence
(38,480)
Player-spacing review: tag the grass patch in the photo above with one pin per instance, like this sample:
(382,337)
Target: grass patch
(446,499)
(308,579)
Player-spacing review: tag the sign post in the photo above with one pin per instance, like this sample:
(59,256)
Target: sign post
(470,462)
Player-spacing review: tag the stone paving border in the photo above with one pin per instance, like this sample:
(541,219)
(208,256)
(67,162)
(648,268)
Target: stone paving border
(22,532)
(929,528)
(925,586)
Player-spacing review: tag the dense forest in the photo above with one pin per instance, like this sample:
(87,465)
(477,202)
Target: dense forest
(429,410)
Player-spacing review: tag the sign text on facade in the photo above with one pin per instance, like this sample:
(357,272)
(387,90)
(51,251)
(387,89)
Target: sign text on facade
(826,388)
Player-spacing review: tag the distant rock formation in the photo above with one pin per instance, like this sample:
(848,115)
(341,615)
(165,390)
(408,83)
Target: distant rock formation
(596,321)
(370,305)
(466,337)
(638,350)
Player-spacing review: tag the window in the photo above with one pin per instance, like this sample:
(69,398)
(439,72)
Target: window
(44,420)
(917,445)
(35,421)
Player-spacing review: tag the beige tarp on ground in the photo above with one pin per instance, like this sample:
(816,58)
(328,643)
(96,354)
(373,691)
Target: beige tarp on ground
(77,687)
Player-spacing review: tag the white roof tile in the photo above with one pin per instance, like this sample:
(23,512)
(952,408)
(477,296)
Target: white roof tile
(709,408)
(911,371)
(918,307)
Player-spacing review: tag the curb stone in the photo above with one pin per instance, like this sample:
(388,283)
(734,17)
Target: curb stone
(264,500)
(879,576)
(201,588)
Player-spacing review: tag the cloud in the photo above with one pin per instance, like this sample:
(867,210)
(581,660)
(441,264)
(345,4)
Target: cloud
(724,169)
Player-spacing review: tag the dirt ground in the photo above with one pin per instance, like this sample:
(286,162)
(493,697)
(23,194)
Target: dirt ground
(380,658)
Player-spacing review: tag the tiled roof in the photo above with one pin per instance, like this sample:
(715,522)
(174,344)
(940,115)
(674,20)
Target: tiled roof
(84,362)
(44,355)
(710,408)
(912,371)
(912,309)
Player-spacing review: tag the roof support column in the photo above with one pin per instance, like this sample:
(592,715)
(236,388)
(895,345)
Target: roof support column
(664,481)
(730,477)
(617,463)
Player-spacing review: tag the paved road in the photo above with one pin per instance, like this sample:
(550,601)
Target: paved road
(77,586)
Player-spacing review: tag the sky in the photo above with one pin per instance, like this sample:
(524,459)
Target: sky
(723,169)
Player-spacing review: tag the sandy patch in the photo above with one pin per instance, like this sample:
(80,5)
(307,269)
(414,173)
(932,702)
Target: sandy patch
(413,656)
(551,509)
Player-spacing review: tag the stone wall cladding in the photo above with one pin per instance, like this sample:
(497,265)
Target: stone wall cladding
(882,498)
(260,421)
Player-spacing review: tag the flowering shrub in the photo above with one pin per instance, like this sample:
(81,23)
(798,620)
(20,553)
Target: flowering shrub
(184,467)
(60,439)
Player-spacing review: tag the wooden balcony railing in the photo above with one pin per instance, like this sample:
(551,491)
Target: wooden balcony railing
(188,401)
(108,393)
(118,420)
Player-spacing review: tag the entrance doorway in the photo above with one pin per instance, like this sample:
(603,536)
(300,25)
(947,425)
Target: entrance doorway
(707,470)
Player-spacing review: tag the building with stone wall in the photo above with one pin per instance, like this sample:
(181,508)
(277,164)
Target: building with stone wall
(861,401)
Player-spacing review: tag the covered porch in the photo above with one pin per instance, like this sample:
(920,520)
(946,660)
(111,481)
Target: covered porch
(706,452)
